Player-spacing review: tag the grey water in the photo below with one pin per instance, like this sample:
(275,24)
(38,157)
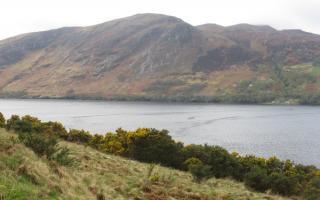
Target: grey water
(288,132)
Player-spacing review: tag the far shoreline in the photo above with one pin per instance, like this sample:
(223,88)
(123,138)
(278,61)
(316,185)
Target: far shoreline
(162,101)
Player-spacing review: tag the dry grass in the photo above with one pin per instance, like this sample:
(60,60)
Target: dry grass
(25,176)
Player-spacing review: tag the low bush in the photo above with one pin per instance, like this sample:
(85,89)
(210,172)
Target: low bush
(11,122)
(284,185)
(257,179)
(40,144)
(192,161)
(79,136)
(312,191)
(47,146)
(42,138)
(200,171)
(154,146)
(62,156)
(2,121)
(54,129)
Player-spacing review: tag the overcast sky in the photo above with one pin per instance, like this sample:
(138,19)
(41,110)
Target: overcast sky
(21,16)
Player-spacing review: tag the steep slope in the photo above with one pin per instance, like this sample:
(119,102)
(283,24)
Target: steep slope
(152,56)
(97,57)
(25,176)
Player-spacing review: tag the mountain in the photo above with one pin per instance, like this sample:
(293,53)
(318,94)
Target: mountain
(159,57)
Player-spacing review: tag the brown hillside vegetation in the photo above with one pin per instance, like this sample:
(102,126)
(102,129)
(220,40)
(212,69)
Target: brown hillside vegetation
(159,57)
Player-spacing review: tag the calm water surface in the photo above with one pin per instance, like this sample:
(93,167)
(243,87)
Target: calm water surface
(289,132)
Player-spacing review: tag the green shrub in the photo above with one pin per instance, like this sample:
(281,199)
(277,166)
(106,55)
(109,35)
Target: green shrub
(21,126)
(26,124)
(47,146)
(111,144)
(192,161)
(54,129)
(284,185)
(10,122)
(97,141)
(154,146)
(2,121)
(200,171)
(35,122)
(273,164)
(40,144)
(195,151)
(62,156)
(257,179)
(222,163)
(79,136)
(312,192)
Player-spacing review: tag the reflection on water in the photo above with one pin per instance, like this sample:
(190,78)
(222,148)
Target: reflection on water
(289,132)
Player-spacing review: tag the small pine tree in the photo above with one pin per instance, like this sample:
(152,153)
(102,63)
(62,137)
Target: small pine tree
(2,121)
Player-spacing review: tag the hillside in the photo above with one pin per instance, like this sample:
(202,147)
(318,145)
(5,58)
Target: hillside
(159,57)
(25,176)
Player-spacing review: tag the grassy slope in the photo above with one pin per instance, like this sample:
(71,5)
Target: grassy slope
(23,175)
